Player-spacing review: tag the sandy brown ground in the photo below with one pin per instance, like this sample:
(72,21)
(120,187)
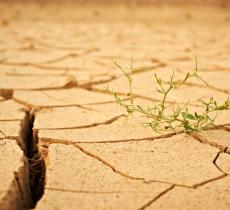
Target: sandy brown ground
(56,61)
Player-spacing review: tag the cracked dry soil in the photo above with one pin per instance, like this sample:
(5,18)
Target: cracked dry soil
(65,144)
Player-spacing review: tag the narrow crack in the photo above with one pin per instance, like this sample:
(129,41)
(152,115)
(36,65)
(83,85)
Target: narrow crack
(207,87)
(88,85)
(91,192)
(37,65)
(95,89)
(204,140)
(69,55)
(61,58)
(150,138)
(214,162)
(156,198)
(68,85)
(3,133)
(41,44)
(83,106)
(66,142)
(68,105)
(106,163)
(140,70)
(106,122)
(37,108)
(212,87)
(17,74)
(113,168)
(10,120)
(126,94)
(210,180)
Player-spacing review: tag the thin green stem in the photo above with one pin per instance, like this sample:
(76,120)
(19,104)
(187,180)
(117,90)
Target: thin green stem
(180,117)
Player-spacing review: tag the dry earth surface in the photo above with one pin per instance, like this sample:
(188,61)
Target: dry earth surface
(65,144)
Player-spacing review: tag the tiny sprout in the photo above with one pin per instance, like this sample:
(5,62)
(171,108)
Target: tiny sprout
(180,117)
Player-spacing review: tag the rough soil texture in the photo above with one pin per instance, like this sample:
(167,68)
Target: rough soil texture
(65,144)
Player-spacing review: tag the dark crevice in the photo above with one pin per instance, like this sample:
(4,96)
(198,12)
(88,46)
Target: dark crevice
(36,164)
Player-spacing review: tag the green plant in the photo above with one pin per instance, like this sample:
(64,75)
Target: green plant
(180,117)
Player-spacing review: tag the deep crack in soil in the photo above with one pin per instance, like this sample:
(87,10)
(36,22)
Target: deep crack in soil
(35,160)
